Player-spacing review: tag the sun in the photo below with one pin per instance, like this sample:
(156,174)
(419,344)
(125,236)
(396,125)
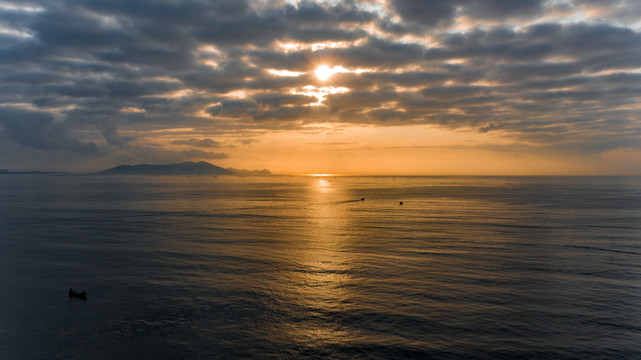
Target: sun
(323,72)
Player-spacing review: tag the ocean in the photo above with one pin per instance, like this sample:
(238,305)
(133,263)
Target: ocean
(290,267)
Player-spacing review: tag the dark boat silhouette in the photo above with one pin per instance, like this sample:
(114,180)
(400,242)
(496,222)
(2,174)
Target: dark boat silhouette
(79,295)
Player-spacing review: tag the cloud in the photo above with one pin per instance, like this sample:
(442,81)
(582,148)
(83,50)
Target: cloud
(205,143)
(435,13)
(39,130)
(500,9)
(103,77)
(248,141)
(426,12)
(204,154)
(110,133)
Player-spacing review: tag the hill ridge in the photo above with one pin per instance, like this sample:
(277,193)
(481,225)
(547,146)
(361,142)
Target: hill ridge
(184,168)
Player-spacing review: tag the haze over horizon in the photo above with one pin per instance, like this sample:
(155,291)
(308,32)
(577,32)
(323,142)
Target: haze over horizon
(407,87)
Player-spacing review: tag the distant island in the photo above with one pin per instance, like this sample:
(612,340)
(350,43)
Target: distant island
(26,172)
(186,168)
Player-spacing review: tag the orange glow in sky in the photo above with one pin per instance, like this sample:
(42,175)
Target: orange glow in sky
(346,87)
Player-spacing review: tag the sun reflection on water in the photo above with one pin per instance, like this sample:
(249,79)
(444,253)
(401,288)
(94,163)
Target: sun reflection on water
(320,283)
(323,185)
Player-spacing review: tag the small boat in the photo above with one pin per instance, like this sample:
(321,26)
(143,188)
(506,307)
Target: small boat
(79,295)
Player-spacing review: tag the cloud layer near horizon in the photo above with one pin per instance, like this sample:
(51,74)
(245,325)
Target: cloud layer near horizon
(160,81)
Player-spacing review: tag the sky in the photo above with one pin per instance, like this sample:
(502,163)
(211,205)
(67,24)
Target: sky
(389,87)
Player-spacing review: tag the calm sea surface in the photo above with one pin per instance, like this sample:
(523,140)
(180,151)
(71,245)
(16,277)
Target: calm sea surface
(299,267)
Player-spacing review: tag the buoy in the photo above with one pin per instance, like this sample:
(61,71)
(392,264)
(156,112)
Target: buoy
(401,203)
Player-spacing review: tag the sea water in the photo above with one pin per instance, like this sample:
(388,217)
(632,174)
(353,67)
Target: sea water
(300,267)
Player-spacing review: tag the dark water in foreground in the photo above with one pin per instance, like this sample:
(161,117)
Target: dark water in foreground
(290,267)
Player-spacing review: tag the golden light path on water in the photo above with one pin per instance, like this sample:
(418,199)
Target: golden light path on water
(321,284)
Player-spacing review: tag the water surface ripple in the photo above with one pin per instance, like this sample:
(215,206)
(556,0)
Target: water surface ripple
(300,267)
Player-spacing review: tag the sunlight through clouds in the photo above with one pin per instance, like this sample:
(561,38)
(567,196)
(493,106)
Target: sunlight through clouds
(319,92)
(550,77)
(284,72)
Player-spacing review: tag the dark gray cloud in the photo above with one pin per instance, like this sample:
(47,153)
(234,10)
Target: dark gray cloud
(500,9)
(39,130)
(434,13)
(101,77)
(426,12)
(205,143)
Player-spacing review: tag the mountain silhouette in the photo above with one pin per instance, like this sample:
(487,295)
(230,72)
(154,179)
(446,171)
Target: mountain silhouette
(186,168)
